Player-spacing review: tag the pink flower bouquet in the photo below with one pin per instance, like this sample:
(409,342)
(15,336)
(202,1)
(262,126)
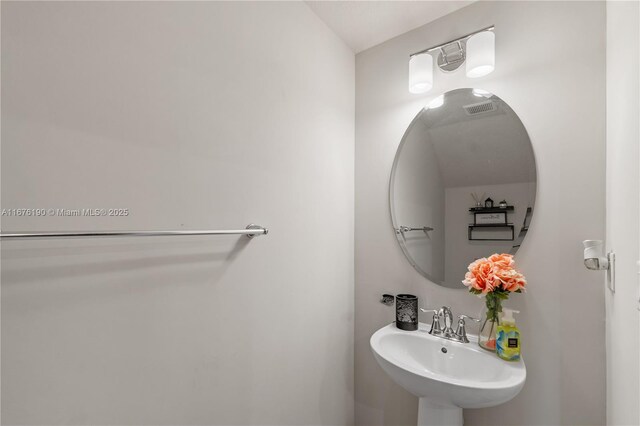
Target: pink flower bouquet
(496,278)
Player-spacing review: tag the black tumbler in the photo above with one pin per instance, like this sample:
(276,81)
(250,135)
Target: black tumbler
(407,312)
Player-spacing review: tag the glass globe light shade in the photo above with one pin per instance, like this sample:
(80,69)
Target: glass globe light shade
(481,54)
(420,73)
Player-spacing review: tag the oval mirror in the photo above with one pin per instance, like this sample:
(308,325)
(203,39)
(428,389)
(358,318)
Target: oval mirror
(463,184)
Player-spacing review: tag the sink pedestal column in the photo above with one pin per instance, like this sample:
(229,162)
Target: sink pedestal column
(432,414)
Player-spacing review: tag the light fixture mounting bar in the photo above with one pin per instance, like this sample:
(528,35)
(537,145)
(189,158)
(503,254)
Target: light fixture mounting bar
(459,39)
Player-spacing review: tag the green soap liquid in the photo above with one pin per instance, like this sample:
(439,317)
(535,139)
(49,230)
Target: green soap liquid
(508,342)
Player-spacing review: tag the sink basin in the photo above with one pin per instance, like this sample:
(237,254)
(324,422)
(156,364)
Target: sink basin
(447,376)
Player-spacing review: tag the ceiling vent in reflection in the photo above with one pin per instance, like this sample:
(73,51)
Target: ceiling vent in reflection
(480,108)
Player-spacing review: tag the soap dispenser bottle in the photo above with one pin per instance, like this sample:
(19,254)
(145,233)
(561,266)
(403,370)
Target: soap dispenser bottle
(508,337)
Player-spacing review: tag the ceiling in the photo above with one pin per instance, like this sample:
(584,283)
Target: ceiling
(364,24)
(488,148)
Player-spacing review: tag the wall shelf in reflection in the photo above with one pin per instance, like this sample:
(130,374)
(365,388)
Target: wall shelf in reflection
(490,209)
(508,226)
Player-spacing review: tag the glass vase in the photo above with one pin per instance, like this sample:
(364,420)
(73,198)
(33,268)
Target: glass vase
(489,323)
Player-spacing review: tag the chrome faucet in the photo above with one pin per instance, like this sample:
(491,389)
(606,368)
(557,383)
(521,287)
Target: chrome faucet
(444,329)
(447,316)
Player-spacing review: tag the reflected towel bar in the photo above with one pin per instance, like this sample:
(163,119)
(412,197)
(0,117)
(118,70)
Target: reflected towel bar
(250,231)
(404,229)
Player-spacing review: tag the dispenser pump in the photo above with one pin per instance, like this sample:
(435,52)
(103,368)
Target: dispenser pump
(507,316)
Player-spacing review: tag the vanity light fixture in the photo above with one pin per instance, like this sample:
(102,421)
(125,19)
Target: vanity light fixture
(481,54)
(420,73)
(476,49)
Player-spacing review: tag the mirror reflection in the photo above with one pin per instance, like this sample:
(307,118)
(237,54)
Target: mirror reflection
(463,184)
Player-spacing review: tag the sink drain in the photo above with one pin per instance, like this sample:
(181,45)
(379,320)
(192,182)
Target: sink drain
(444,350)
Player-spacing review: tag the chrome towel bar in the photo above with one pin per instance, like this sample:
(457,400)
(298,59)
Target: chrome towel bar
(250,231)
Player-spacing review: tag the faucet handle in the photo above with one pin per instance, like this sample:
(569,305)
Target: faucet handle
(436,328)
(461,331)
(467,317)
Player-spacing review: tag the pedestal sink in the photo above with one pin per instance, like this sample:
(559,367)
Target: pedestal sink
(447,376)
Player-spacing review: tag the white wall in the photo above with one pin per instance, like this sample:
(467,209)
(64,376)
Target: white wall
(623,212)
(550,68)
(193,115)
